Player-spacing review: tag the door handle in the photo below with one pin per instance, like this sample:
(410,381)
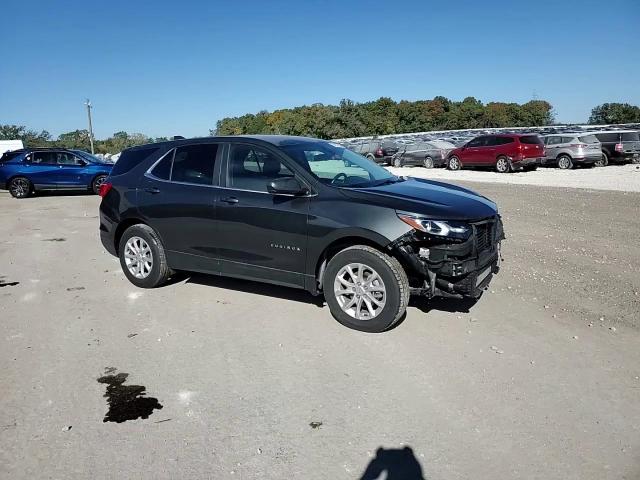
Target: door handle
(230,200)
(153,190)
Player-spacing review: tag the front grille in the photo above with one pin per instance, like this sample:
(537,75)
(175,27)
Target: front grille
(485,235)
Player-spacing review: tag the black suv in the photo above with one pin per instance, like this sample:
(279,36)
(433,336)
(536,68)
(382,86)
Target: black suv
(619,146)
(379,151)
(257,208)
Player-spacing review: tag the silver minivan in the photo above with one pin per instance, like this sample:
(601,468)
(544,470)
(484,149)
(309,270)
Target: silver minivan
(565,150)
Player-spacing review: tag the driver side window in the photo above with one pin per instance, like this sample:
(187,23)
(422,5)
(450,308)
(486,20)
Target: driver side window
(253,168)
(476,142)
(66,158)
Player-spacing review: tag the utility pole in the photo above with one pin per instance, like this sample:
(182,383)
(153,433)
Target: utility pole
(88,104)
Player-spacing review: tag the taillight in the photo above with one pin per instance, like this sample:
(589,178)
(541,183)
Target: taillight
(577,145)
(619,147)
(379,152)
(104,189)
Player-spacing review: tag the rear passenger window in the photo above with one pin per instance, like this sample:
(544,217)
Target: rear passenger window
(503,140)
(630,137)
(589,139)
(531,140)
(194,164)
(44,158)
(162,170)
(130,158)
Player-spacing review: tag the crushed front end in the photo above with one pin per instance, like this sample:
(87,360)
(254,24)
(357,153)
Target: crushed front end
(462,262)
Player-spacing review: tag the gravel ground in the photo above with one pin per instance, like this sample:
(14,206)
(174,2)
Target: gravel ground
(539,379)
(625,178)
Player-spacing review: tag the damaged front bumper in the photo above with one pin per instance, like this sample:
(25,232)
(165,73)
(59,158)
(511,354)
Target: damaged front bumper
(439,266)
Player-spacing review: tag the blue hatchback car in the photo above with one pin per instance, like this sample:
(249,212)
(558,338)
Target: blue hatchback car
(24,172)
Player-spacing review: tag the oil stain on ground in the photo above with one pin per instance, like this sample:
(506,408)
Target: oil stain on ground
(58,239)
(126,402)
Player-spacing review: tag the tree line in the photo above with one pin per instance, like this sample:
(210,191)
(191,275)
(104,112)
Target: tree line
(78,139)
(386,116)
(348,119)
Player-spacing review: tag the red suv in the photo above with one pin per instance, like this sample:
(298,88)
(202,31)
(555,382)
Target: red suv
(504,152)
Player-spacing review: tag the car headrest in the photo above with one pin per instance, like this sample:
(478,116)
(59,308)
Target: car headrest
(271,166)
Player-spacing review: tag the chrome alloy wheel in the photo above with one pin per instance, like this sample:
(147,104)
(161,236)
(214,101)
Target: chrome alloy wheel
(19,187)
(502,165)
(360,291)
(138,257)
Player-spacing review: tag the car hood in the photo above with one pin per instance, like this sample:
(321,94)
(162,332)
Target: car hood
(432,199)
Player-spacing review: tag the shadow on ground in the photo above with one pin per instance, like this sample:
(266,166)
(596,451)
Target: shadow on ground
(394,464)
(448,304)
(443,304)
(248,286)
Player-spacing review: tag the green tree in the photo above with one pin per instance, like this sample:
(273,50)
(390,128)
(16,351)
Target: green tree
(609,113)
(30,138)
(76,139)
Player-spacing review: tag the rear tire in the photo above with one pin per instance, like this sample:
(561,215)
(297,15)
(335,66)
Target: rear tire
(428,162)
(397,162)
(564,162)
(604,161)
(371,157)
(140,245)
(378,284)
(95,184)
(503,165)
(454,163)
(20,187)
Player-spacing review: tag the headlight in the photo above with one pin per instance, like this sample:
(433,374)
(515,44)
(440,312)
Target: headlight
(440,228)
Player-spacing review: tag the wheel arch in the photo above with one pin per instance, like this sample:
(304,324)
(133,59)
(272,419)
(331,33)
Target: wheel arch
(339,244)
(16,175)
(122,227)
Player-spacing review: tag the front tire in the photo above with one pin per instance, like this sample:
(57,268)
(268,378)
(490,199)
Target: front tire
(20,187)
(454,163)
(95,184)
(503,165)
(366,289)
(564,162)
(142,257)
(428,162)
(397,162)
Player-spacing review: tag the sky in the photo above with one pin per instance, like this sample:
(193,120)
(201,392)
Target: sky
(175,68)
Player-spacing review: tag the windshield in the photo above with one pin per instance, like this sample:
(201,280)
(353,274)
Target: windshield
(88,156)
(333,164)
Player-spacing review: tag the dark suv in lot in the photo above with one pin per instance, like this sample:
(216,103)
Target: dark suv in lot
(255,207)
(619,146)
(502,152)
(379,151)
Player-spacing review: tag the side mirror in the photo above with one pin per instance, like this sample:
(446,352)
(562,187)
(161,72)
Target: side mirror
(286,186)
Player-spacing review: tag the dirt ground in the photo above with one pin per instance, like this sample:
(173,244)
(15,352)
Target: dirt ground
(218,378)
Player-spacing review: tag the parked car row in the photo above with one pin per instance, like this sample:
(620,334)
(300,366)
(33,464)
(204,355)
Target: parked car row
(27,170)
(507,152)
